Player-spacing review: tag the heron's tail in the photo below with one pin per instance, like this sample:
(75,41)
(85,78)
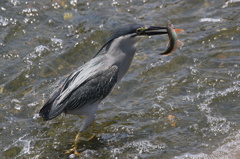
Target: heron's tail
(47,112)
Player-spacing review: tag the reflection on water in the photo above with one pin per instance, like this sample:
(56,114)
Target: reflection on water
(185,105)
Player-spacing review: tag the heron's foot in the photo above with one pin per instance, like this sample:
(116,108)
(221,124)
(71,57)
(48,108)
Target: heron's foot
(90,138)
(74,146)
(74,150)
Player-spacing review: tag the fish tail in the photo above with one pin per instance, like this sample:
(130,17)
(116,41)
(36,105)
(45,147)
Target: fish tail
(179,43)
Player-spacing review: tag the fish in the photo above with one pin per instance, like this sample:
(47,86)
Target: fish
(173,39)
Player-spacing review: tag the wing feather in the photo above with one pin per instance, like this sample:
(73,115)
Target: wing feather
(84,86)
(94,89)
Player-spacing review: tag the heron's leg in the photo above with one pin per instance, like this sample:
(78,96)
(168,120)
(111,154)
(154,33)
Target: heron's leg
(74,146)
(90,138)
(88,120)
(89,113)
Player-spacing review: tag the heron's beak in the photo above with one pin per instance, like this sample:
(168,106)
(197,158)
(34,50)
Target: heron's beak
(152,30)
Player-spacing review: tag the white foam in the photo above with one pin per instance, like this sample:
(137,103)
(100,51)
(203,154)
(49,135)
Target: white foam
(229,2)
(214,20)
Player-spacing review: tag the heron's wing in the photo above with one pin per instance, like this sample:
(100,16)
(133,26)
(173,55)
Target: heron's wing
(92,89)
(67,85)
(77,78)
(44,111)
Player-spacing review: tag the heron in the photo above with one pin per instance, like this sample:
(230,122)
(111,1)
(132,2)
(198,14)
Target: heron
(81,92)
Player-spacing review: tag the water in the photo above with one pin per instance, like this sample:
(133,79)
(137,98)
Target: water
(181,106)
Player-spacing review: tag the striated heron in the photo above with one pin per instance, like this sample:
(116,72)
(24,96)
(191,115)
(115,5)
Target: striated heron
(82,91)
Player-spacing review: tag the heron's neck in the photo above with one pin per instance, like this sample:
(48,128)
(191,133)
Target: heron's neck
(122,52)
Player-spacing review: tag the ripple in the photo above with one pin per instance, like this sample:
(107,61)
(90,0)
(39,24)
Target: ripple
(229,149)
(20,142)
(56,43)
(214,20)
(30,12)
(15,2)
(140,147)
(41,49)
(123,129)
(143,146)
(3,21)
(229,2)
(219,124)
(74,2)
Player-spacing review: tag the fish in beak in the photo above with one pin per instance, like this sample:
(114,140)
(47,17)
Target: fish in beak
(173,39)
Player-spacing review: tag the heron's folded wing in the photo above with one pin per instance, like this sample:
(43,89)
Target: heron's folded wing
(94,88)
(44,111)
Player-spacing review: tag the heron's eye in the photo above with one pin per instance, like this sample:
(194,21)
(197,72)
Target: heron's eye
(139,30)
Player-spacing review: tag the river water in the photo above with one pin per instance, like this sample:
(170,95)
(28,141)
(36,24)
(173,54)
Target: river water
(182,106)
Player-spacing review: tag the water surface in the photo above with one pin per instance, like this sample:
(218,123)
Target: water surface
(181,106)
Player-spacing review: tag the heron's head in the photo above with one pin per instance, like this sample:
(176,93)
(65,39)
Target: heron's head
(131,34)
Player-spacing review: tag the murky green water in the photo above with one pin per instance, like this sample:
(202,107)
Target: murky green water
(182,106)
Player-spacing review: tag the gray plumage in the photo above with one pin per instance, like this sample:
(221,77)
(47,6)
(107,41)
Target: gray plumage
(82,91)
